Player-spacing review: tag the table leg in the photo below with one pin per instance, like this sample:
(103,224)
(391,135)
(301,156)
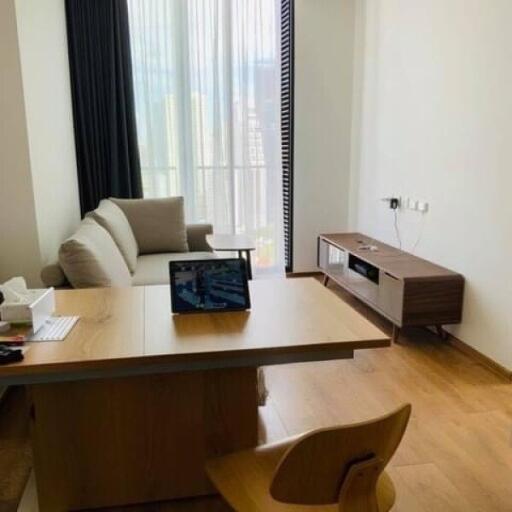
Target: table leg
(113,442)
(249,264)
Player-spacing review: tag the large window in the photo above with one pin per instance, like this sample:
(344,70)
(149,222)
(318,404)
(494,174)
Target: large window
(207,77)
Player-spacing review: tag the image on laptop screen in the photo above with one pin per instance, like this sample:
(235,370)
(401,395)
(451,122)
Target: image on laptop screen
(209,285)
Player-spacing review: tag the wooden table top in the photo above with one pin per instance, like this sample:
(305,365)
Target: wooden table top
(126,331)
(231,242)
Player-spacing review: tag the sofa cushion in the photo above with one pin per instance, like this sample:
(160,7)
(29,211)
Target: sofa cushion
(90,258)
(154,268)
(53,275)
(109,216)
(158,224)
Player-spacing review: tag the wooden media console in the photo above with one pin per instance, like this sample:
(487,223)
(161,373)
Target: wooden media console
(407,290)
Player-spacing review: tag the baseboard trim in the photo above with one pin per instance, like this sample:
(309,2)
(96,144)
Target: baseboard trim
(477,356)
(456,343)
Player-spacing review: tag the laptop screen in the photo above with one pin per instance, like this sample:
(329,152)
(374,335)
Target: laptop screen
(209,285)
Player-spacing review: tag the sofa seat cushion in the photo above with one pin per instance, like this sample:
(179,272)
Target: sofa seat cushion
(109,216)
(158,224)
(154,268)
(90,258)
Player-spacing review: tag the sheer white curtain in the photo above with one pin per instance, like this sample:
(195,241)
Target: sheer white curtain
(207,91)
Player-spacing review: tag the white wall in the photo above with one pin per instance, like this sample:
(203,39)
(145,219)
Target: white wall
(435,119)
(46,84)
(324,34)
(19,248)
(39,203)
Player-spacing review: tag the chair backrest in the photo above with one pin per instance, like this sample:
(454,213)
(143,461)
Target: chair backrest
(314,468)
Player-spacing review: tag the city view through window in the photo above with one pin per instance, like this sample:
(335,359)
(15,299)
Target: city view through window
(207,91)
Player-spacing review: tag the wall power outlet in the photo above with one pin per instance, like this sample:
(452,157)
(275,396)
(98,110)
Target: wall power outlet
(413,204)
(422,207)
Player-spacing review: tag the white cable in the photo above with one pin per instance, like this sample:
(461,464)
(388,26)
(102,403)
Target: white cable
(420,234)
(397,230)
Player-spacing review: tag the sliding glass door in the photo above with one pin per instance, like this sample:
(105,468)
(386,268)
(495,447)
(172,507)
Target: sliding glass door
(207,76)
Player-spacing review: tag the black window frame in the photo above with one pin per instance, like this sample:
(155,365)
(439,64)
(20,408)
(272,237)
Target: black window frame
(287,122)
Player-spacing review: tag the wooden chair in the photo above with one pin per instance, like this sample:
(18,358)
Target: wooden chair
(333,469)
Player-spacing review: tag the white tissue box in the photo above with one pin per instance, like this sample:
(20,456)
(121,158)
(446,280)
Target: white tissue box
(35,313)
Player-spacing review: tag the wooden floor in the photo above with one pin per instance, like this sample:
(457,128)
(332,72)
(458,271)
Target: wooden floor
(457,453)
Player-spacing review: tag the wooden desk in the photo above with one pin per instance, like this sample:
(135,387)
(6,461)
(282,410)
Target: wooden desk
(129,406)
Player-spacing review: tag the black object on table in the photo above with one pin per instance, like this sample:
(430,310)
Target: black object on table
(10,355)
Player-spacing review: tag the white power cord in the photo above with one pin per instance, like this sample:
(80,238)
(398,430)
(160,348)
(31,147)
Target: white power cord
(420,234)
(397,229)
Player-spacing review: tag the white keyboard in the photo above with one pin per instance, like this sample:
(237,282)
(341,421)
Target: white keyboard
(56,328)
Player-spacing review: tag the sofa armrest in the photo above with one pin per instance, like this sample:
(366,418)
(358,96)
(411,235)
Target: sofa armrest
(196,236)
(53,275)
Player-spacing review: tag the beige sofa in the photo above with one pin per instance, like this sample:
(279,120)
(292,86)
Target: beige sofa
(128,243)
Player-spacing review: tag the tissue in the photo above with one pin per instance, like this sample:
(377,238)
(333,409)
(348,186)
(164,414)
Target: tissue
(22,305)
(15,291)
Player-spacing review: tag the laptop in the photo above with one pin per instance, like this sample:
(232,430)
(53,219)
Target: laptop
(211,285)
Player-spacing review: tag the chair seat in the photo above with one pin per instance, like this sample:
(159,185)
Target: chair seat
(244,478)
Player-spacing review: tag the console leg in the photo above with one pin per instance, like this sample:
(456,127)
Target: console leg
(326,280)
(396,334)
(441,332)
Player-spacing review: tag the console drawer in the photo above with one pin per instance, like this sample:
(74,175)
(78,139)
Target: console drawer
(391,296)
(360,285)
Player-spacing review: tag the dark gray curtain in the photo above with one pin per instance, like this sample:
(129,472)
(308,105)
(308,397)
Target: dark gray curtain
(103,101)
